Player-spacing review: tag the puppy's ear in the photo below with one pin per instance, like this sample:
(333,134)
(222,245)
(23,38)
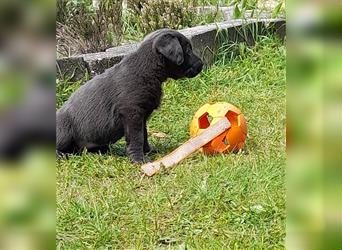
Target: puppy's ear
(169,46)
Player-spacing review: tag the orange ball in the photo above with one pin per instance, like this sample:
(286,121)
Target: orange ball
(233,139)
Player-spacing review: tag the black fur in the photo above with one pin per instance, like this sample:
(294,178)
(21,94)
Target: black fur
(118,102)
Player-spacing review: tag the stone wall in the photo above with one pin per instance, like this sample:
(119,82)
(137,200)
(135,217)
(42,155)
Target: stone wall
(205,40)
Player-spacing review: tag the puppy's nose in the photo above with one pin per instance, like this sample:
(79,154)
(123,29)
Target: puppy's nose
(199,66)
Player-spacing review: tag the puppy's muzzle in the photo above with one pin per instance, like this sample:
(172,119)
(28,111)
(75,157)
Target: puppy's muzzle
(195,69)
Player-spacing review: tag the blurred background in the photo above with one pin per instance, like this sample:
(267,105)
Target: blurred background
(27,122)
(314,124)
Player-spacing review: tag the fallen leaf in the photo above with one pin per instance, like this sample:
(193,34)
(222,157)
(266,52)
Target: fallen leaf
(258,208)
(167,240)
(159,134)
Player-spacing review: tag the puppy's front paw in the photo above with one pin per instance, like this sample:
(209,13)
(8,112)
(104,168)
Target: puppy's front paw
(150,150)
(138,159)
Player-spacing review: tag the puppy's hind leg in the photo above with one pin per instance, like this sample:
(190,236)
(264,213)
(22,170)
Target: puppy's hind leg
(104,148)
(94,148)
(64,136)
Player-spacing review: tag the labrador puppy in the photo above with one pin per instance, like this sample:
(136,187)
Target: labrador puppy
(119,101)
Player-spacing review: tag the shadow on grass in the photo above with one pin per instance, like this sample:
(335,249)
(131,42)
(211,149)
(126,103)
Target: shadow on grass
(162,147)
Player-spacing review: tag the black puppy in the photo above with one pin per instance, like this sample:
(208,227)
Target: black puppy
(118,102)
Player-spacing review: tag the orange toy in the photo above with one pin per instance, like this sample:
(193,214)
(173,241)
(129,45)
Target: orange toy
(233,139)
(216,128)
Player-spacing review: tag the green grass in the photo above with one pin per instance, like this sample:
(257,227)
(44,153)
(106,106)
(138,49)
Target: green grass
(207,202)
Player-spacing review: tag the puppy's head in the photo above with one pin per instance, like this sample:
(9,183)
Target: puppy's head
(176,50)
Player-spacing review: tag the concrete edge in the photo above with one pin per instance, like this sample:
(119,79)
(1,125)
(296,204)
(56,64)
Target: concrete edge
(203,38)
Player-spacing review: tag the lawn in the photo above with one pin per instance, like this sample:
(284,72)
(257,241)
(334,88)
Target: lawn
(206,202)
